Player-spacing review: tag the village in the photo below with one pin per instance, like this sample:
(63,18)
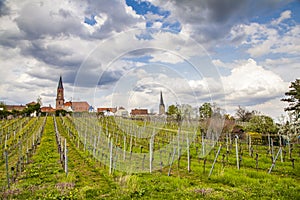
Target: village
(33,108)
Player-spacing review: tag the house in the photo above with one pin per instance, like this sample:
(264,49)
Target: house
(80,106)
(68,106)
(139,112)
(122,112)
(10,108)
(47,109)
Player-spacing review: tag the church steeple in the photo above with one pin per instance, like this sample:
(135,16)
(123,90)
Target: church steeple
(161,99)
(161,105)
(60,85)
(60,95)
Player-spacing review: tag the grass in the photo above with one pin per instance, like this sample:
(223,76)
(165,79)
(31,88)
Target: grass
(44,177)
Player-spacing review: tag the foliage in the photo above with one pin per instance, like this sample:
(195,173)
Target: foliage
(172,110)
(262,124)
(174,113)
(293,98)
(205,111)
(3,111)
(31,109)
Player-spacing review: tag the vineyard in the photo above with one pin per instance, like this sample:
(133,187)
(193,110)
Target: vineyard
(85,156)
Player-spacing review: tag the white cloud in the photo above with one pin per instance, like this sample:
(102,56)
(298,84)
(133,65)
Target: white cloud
(283,16)
(271,38)
(251,84)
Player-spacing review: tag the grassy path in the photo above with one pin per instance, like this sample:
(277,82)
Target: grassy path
(43,173)
(90,180)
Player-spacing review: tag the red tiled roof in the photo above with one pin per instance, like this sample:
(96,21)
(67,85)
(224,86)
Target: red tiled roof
(47,109)
(113,110)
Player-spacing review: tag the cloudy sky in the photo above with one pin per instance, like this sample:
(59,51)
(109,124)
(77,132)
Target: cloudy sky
(123,53)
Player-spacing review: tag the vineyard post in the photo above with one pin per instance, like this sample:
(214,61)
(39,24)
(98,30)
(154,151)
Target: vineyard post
(188,153)
(20,156)
(272,149)
(273,163)
(178,141)
(84,141)
(151,152)
(135,137)
(203,144)
(237,152)
(1,136)
(130,144)
(290,148)
(66,157)
(204,163)
(250,145)
(6,166)
(5,142)
(110,155)
(33,141)
(269,141)
(124,148)
(256,161)
(280,144)
(227,145)
(143,163)
(94,150)
(213,165)
(230,141)
(172,161)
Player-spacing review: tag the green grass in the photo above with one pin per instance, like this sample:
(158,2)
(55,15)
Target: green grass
(44,177)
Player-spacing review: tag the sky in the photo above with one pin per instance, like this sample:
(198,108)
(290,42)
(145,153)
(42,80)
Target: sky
(123,53)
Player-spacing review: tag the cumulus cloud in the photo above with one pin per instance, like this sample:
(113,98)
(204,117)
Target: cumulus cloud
(250,84)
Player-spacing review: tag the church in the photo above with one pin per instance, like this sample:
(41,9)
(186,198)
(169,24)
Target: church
(70,106)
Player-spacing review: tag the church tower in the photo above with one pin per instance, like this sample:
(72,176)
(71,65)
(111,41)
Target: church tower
(60,95)
(161,105)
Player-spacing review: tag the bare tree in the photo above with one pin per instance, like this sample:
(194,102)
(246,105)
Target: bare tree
(244,115)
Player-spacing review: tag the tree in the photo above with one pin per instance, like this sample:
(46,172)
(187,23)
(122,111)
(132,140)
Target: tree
(31,109)
(39,100)
(205,111)
(293,98)
(172,110)
(244,115)
(3,111)
(262,124)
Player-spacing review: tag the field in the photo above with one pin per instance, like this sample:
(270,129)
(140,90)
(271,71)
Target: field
(85,157)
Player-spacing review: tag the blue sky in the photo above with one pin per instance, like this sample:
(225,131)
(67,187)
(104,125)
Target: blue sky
(229,52)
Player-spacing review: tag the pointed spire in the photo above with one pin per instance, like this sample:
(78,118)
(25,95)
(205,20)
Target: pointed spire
(161,99)
(60,85)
